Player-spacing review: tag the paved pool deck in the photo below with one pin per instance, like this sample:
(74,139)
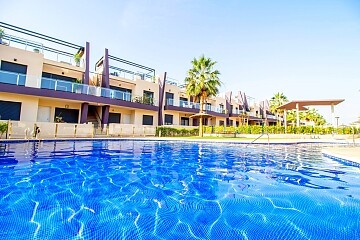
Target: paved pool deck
(349,153)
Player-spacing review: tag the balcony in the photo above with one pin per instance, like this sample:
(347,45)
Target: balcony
(15,83)
(191,107)
(12,78)
(65,86)
(52,48)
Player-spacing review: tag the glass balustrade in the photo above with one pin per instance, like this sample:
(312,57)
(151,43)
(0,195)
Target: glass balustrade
(12,78)
(59,85)
(170,102)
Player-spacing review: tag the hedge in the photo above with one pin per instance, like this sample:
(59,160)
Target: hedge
(176,132)
(256,129)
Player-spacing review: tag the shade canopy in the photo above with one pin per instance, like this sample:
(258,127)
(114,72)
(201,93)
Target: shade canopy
(302,103)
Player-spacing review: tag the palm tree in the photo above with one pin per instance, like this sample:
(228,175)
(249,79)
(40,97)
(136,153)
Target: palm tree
(276,101)
(202,81)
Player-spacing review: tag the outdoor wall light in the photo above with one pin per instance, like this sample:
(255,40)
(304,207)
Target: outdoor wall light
(66,106)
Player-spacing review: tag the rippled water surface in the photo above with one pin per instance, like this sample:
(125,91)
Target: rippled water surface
(175,190)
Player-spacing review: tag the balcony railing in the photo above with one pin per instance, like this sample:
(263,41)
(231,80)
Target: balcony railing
(188,104)
(59,85)
(270,116)
(12,78)
(49,52)
(170,102)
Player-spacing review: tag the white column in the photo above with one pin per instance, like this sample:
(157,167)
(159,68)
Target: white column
(297,115)
(285,122)
(332,115)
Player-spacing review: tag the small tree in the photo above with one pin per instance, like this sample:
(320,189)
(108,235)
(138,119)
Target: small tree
(3,128)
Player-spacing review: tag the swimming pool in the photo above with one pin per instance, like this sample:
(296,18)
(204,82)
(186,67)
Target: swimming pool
(132,189)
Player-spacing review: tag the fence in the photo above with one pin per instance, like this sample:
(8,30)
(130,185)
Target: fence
(115,129)
(41,130)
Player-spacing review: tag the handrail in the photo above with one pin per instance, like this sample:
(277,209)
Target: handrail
(258,138)
(98,116)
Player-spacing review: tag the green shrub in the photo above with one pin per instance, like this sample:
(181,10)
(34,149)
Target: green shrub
(254,129)
(176,132)
(3,128)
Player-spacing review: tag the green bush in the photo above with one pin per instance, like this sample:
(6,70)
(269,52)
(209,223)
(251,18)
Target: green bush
(176,132)
(255,129)
(3,128)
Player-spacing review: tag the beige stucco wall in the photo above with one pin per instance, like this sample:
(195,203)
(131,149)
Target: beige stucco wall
(29,105)
(62,69)
(122,82)
(53,103)
(176,117)
(142,85)
(174,90)
(138,116)
(34,62)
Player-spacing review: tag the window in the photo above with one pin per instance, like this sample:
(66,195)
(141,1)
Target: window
(13,67)
(231,109)
(66,115)
(168,119)
(122,94)
(114,117)
(184,121)
(18,79)
(147,120)
(10,110)
(205,121)
(195,122)
(208,106)
(169,99)
(221,123)
(231,122)
(221,106)
(58,77)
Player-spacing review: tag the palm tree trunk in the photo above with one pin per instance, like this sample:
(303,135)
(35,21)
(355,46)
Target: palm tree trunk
(201,119)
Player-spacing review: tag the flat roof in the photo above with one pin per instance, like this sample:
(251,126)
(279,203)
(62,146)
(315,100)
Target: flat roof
(302,103)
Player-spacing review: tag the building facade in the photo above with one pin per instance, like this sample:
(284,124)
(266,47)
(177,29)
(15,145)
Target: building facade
(44,79)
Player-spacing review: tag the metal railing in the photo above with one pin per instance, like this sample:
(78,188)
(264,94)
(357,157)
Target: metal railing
(60,85)
(170,102)
(259,138)
(12,78)
(49,52)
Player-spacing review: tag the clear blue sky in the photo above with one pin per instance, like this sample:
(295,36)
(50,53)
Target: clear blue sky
(304,48)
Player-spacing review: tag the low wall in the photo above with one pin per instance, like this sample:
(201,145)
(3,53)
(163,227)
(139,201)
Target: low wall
(130,130)
(40,130)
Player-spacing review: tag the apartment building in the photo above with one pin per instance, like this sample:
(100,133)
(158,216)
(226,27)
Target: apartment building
(45,79)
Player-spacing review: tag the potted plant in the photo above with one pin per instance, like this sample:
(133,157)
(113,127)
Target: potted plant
(2,33)
(77,58)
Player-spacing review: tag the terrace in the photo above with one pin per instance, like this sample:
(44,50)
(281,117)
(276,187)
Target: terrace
(52,48)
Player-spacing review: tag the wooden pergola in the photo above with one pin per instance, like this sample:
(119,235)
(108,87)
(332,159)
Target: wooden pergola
(300,105)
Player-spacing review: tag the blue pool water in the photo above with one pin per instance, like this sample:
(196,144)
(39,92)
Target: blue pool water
(175,190)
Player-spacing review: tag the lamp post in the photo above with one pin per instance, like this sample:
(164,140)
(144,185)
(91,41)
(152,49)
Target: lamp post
(337,121)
